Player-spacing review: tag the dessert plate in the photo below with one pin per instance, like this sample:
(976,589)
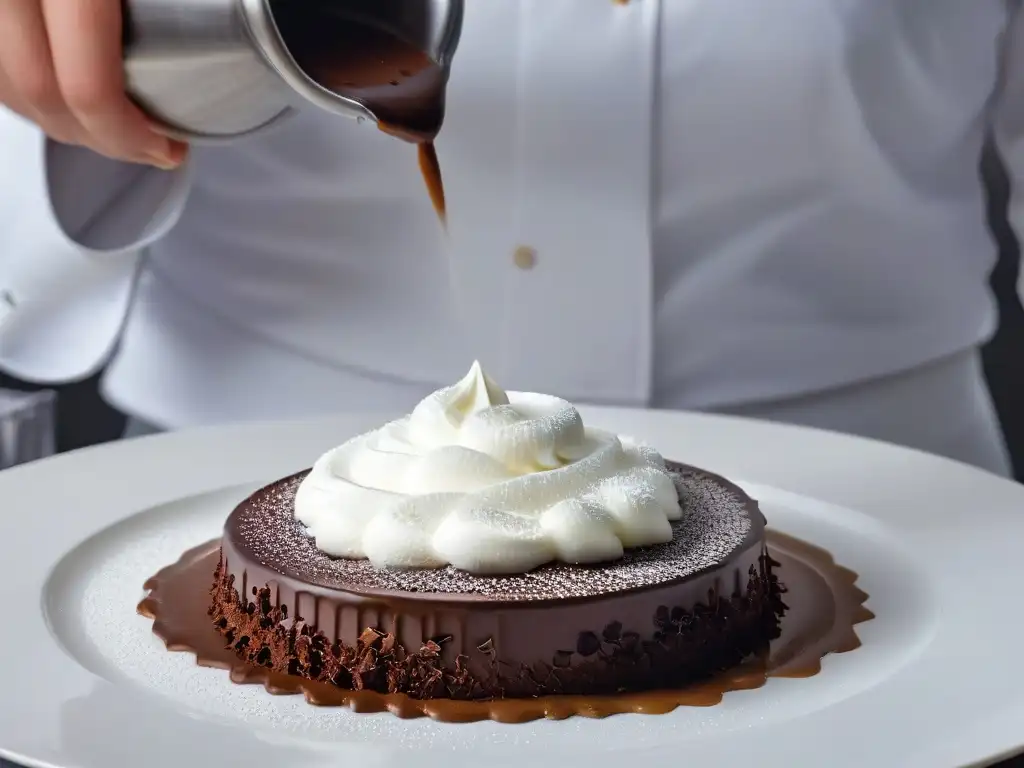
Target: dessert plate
(936,683)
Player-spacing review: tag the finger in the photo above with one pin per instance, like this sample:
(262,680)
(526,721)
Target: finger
(9,101)
(85,37)
(28,83)
(8,97)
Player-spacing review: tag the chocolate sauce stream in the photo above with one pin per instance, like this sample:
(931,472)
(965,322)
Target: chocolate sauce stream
(825,605)
(395,80)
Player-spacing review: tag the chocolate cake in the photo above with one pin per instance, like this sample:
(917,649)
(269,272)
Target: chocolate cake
(659,616)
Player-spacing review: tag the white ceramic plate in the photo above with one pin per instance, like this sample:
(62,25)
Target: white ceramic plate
(936,683)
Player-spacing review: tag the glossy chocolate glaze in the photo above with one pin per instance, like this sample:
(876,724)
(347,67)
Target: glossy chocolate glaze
(399,83)
(824,606)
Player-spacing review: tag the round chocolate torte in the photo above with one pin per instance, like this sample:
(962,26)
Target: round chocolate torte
(660,616)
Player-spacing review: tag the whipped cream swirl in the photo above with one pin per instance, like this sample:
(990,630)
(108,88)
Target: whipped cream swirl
(489,482)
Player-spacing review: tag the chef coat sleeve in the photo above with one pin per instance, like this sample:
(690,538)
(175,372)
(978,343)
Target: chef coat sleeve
(61,304)
(1008,124)
(109,206)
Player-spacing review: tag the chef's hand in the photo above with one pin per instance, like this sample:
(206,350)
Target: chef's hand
(61,67)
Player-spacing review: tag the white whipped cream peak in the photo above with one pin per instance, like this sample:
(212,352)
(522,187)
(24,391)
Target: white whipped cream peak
(490,482)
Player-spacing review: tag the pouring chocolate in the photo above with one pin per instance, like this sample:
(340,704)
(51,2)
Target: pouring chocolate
(220,69)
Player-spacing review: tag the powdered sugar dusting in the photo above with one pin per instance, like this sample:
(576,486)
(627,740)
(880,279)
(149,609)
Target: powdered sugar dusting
(719,522)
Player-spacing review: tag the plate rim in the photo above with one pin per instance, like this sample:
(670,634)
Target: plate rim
(107,484)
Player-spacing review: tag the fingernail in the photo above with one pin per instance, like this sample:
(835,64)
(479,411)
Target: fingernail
(162,162)
(173,157)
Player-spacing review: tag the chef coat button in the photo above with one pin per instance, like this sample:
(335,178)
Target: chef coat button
(525,257)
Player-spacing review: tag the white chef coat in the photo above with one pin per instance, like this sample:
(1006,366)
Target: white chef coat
(723,203)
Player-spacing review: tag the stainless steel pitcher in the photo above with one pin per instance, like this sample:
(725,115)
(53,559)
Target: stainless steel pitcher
(214,70)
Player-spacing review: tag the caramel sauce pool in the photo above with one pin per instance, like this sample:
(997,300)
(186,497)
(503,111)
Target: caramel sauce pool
(825,605)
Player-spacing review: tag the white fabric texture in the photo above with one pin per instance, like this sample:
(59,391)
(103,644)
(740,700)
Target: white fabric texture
(731,204)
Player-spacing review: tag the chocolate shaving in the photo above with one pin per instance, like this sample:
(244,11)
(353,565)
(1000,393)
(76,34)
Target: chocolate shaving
(685,647)
(486,647)
(563,659)
(370,637)
(612,632)
(587,644)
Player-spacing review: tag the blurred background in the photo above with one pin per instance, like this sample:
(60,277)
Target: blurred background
(82,418)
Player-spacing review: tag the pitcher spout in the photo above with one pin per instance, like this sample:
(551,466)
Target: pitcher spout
(383,60)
